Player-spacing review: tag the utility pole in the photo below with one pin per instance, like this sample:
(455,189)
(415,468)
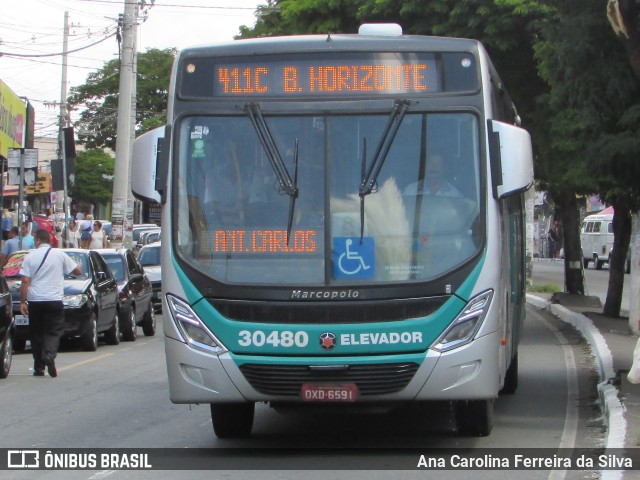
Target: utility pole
(63,123)
(123,141)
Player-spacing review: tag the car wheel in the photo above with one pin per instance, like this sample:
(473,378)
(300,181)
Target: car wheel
(90,336)
(129,327)
(474,417)
(112,336)
(149,322)
(6,355)
(19,345)
(232,420)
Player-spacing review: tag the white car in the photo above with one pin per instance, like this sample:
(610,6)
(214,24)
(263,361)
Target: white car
(149,258)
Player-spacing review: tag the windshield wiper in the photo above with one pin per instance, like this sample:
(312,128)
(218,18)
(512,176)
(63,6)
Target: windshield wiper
(287,184)
(369,177)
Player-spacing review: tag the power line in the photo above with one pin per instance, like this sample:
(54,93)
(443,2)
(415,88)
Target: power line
(19,55)
(156,4)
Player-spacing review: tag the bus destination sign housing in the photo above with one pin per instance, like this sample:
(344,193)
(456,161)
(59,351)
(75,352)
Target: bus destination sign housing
(362,74)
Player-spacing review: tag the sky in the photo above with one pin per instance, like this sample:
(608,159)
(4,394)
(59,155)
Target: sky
(35,27)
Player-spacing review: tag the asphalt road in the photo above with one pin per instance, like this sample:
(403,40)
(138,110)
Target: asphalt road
(117,397)
(596,281)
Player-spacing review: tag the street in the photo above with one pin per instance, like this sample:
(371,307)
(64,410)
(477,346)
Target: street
(118,397)
(596,281)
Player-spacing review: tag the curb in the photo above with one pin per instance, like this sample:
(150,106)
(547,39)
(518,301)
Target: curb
(613,409)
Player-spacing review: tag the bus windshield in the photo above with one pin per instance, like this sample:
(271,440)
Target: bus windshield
(237,224)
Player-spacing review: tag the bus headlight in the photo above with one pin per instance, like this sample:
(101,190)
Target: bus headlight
(466,324)
(195,333)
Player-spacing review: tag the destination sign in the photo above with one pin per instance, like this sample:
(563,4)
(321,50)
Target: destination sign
(336,75)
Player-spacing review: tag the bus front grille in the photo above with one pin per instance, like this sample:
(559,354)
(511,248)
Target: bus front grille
(328,312)
(287,380)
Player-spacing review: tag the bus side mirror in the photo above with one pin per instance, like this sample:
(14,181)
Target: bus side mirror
(511,157)
(149,165)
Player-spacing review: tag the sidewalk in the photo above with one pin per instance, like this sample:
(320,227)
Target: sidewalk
(612,343)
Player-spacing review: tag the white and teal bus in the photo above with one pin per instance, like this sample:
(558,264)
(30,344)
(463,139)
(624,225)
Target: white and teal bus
(342,224)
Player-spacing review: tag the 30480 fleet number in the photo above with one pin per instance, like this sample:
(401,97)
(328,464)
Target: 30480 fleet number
(285,338)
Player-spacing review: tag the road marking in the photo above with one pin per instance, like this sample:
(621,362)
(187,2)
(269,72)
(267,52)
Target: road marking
(570,430)
(84,362)
(102,474)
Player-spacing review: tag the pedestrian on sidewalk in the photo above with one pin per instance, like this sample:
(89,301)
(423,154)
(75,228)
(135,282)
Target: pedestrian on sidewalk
(10,246)
(41,294)
(552,242)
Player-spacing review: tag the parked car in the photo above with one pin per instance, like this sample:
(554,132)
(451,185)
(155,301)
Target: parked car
(134,293)
(139,228)
(148,236)
(149,258)
(7,329)
(90,300)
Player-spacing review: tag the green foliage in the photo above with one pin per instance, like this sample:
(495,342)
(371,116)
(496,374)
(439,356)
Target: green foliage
(94,177)
(593,104)
(98,98)
(544,288)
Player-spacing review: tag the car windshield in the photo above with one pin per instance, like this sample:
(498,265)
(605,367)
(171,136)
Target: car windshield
(149,256)
(116,265)
(81,259)
(242,188)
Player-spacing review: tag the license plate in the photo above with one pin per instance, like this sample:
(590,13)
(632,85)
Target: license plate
(344,392)
(22,320)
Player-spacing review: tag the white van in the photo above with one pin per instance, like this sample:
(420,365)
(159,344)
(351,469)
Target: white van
(596,238)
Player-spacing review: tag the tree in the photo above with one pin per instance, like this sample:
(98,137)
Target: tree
(594,115)
(94,177)
(98,98)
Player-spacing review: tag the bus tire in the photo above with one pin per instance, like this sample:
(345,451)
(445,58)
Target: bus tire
(474,418)
(232,420)
(511,377)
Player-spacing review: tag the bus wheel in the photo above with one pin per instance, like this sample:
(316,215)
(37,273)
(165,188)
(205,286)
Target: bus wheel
(474,418)
(232,420)
(511,377)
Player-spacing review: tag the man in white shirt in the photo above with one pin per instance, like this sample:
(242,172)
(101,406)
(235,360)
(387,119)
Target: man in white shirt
(41,294)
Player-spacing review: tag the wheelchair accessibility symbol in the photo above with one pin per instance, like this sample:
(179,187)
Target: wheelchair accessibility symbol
(351,259)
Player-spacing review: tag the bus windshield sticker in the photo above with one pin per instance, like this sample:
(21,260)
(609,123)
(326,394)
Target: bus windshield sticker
(353,257)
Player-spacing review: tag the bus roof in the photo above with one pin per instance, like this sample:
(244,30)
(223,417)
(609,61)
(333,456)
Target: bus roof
(333,42)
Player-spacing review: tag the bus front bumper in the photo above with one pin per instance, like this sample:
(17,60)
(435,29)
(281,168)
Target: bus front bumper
(469,372)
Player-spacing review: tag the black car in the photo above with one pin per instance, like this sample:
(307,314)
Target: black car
(90,300)
(7,329)
(134,293)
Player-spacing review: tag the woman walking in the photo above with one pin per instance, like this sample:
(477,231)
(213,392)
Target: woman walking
(98,238)
(73,234)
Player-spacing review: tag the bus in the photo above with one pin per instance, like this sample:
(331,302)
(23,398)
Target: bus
(342,226)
